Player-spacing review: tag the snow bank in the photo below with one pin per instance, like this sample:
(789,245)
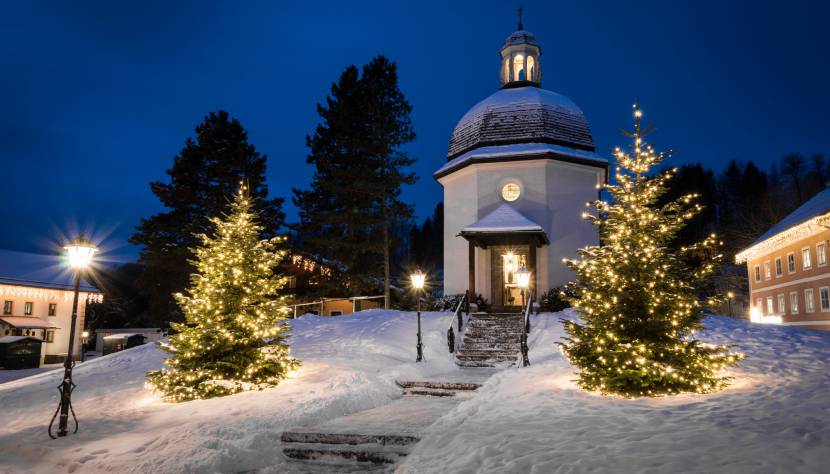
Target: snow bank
(349,364)
(773,419)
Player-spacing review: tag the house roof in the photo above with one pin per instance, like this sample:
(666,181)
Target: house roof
(7,339)
(816,207)
(27,322)
(124,335)
(38,270)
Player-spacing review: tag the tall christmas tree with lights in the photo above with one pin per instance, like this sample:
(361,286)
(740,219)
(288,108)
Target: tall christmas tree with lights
(639,300)
(233,338)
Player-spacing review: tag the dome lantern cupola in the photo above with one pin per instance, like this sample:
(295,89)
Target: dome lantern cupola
(520,59)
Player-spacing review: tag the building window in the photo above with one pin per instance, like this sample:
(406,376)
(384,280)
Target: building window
(757,273)
(292,282)
(779,269)
(531,66)
(519,68)
(50,336)
(809,304)
(791,262)
(821,254)
(782,304)
(53,309)
(27,308)
(767,271)
(824,298)
(759,303)
(510,192)
(337,313)
(794,302)
(770,308)
(805,259)
(7,307)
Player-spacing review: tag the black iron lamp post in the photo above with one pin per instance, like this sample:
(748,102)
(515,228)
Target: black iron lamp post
(418,278)
(80,252)
(523,280)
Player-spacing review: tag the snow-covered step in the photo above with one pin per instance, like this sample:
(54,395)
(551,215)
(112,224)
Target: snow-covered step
(378,436)
(336,454)
(468,386)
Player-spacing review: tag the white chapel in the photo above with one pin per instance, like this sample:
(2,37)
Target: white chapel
(520,167)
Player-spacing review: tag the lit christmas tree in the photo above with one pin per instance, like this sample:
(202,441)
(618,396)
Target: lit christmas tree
(233,338)
(637,297)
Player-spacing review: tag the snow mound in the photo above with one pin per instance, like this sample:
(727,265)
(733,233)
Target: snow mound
(774,417)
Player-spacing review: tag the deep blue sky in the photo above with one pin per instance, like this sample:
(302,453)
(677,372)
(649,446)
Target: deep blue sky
(97,97)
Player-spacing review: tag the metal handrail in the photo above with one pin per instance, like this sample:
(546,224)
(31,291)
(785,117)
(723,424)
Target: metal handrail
(525,331)
(459,319)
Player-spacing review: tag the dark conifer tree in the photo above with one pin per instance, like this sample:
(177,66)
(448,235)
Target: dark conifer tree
(207,170)
(349,215)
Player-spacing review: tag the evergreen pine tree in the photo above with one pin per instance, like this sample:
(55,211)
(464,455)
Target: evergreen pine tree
(233,337)
(204,173)
(637,297)
(349,214)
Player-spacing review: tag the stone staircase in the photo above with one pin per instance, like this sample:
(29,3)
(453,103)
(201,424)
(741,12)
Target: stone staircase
(491,340)
(375,439)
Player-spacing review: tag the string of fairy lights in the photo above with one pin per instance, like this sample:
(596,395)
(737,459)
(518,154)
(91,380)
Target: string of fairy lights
(232,338)
(638,298)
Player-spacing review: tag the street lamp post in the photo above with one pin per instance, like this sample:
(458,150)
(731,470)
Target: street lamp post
(418,278)
(84,336)
(80,252)
(523,280)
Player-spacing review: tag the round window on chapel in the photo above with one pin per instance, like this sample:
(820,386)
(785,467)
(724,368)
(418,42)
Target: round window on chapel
(510,192)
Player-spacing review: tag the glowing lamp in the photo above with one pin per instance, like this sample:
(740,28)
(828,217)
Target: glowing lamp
(418,278)
(80,252)
(85,334)
(523,278)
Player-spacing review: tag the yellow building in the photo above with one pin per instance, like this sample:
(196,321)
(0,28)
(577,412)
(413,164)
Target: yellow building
(36,292)
(789,278)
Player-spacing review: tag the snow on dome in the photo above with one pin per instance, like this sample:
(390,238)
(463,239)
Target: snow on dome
(520,37)
(522,115)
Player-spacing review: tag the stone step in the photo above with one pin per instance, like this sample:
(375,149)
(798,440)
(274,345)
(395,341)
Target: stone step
(486,358)
(337,454)
(456,386)
(468,352)
(428,392)
(310,437)
(477,363)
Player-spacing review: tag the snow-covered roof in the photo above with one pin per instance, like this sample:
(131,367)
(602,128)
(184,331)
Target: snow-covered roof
(27,322)
(521,115)
(795,223)
(124,335)
(7,339)
(504,219)
(520,37)
(37,270)
(521,150)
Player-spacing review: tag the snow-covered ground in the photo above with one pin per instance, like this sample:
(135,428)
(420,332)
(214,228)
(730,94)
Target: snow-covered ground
(774,419)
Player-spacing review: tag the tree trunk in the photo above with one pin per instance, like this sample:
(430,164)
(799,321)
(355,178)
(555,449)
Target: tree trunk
(385,257)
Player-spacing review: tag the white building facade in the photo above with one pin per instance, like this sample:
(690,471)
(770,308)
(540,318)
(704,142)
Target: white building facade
(520,168)
(37,292)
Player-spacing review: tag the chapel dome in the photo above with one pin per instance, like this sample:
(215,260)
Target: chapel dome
(526,114)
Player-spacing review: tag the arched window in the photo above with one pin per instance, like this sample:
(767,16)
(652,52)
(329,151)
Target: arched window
(518,68)
(531,68)
(506,70)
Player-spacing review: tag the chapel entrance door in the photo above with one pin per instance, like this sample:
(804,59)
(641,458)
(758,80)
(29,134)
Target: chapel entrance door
(505,262)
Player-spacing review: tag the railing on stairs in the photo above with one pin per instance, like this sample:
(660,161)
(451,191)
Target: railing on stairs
(454,336)
(525,331)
